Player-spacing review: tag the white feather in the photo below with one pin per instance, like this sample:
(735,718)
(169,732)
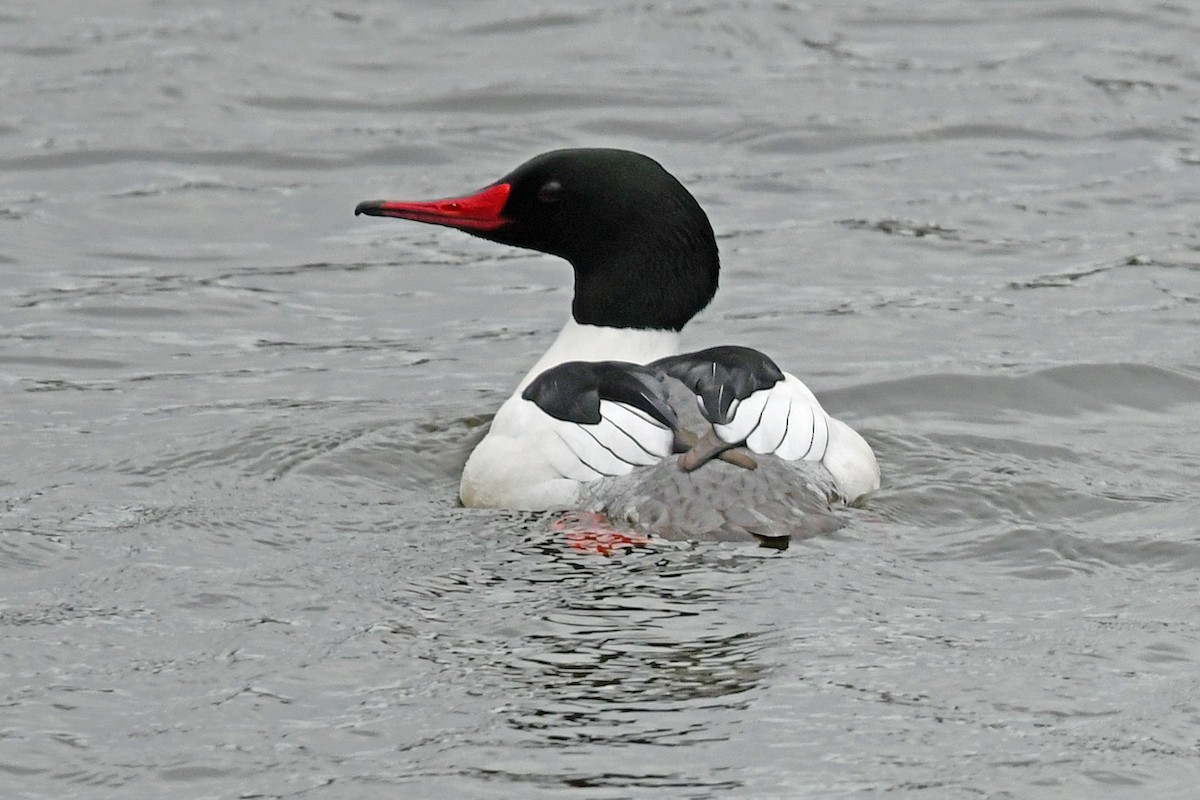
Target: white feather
(633,435)
(772,425)
(591,450)
(578,342)
(624,438)
(745,419)
(808,434)
(850,461)
(566,452)
(786,420)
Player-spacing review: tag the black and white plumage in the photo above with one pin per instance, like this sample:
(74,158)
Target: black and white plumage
(623,422)
(607,416)
(611,416)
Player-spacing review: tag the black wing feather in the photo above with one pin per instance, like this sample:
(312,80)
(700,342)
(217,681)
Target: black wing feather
(572,391)
(719,375)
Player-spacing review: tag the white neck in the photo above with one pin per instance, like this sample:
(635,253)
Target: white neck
(578,342)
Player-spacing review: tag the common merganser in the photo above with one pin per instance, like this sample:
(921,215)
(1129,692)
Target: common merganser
(596,422)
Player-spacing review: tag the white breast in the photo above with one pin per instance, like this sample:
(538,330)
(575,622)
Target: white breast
(578,342)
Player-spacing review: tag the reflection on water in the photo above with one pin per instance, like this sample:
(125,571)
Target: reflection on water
(569,652)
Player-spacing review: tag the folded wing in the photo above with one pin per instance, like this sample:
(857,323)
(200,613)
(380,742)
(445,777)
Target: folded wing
(749,400)
(602,418)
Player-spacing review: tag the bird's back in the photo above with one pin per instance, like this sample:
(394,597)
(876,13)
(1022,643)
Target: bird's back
(774,502)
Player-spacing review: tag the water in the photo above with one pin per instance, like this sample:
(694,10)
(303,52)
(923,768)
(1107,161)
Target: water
(231,563)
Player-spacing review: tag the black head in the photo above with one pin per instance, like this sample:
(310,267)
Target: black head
(642,248)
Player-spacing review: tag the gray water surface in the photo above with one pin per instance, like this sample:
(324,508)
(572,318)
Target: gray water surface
(232,415)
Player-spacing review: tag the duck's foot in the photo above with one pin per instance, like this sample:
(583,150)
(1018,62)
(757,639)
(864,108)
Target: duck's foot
(593,532)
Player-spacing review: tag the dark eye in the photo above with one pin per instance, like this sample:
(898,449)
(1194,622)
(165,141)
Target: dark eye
(551,192)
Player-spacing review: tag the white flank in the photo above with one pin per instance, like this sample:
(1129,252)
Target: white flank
(529,460)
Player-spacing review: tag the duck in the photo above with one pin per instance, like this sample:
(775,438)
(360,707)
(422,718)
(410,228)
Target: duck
(616,418)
